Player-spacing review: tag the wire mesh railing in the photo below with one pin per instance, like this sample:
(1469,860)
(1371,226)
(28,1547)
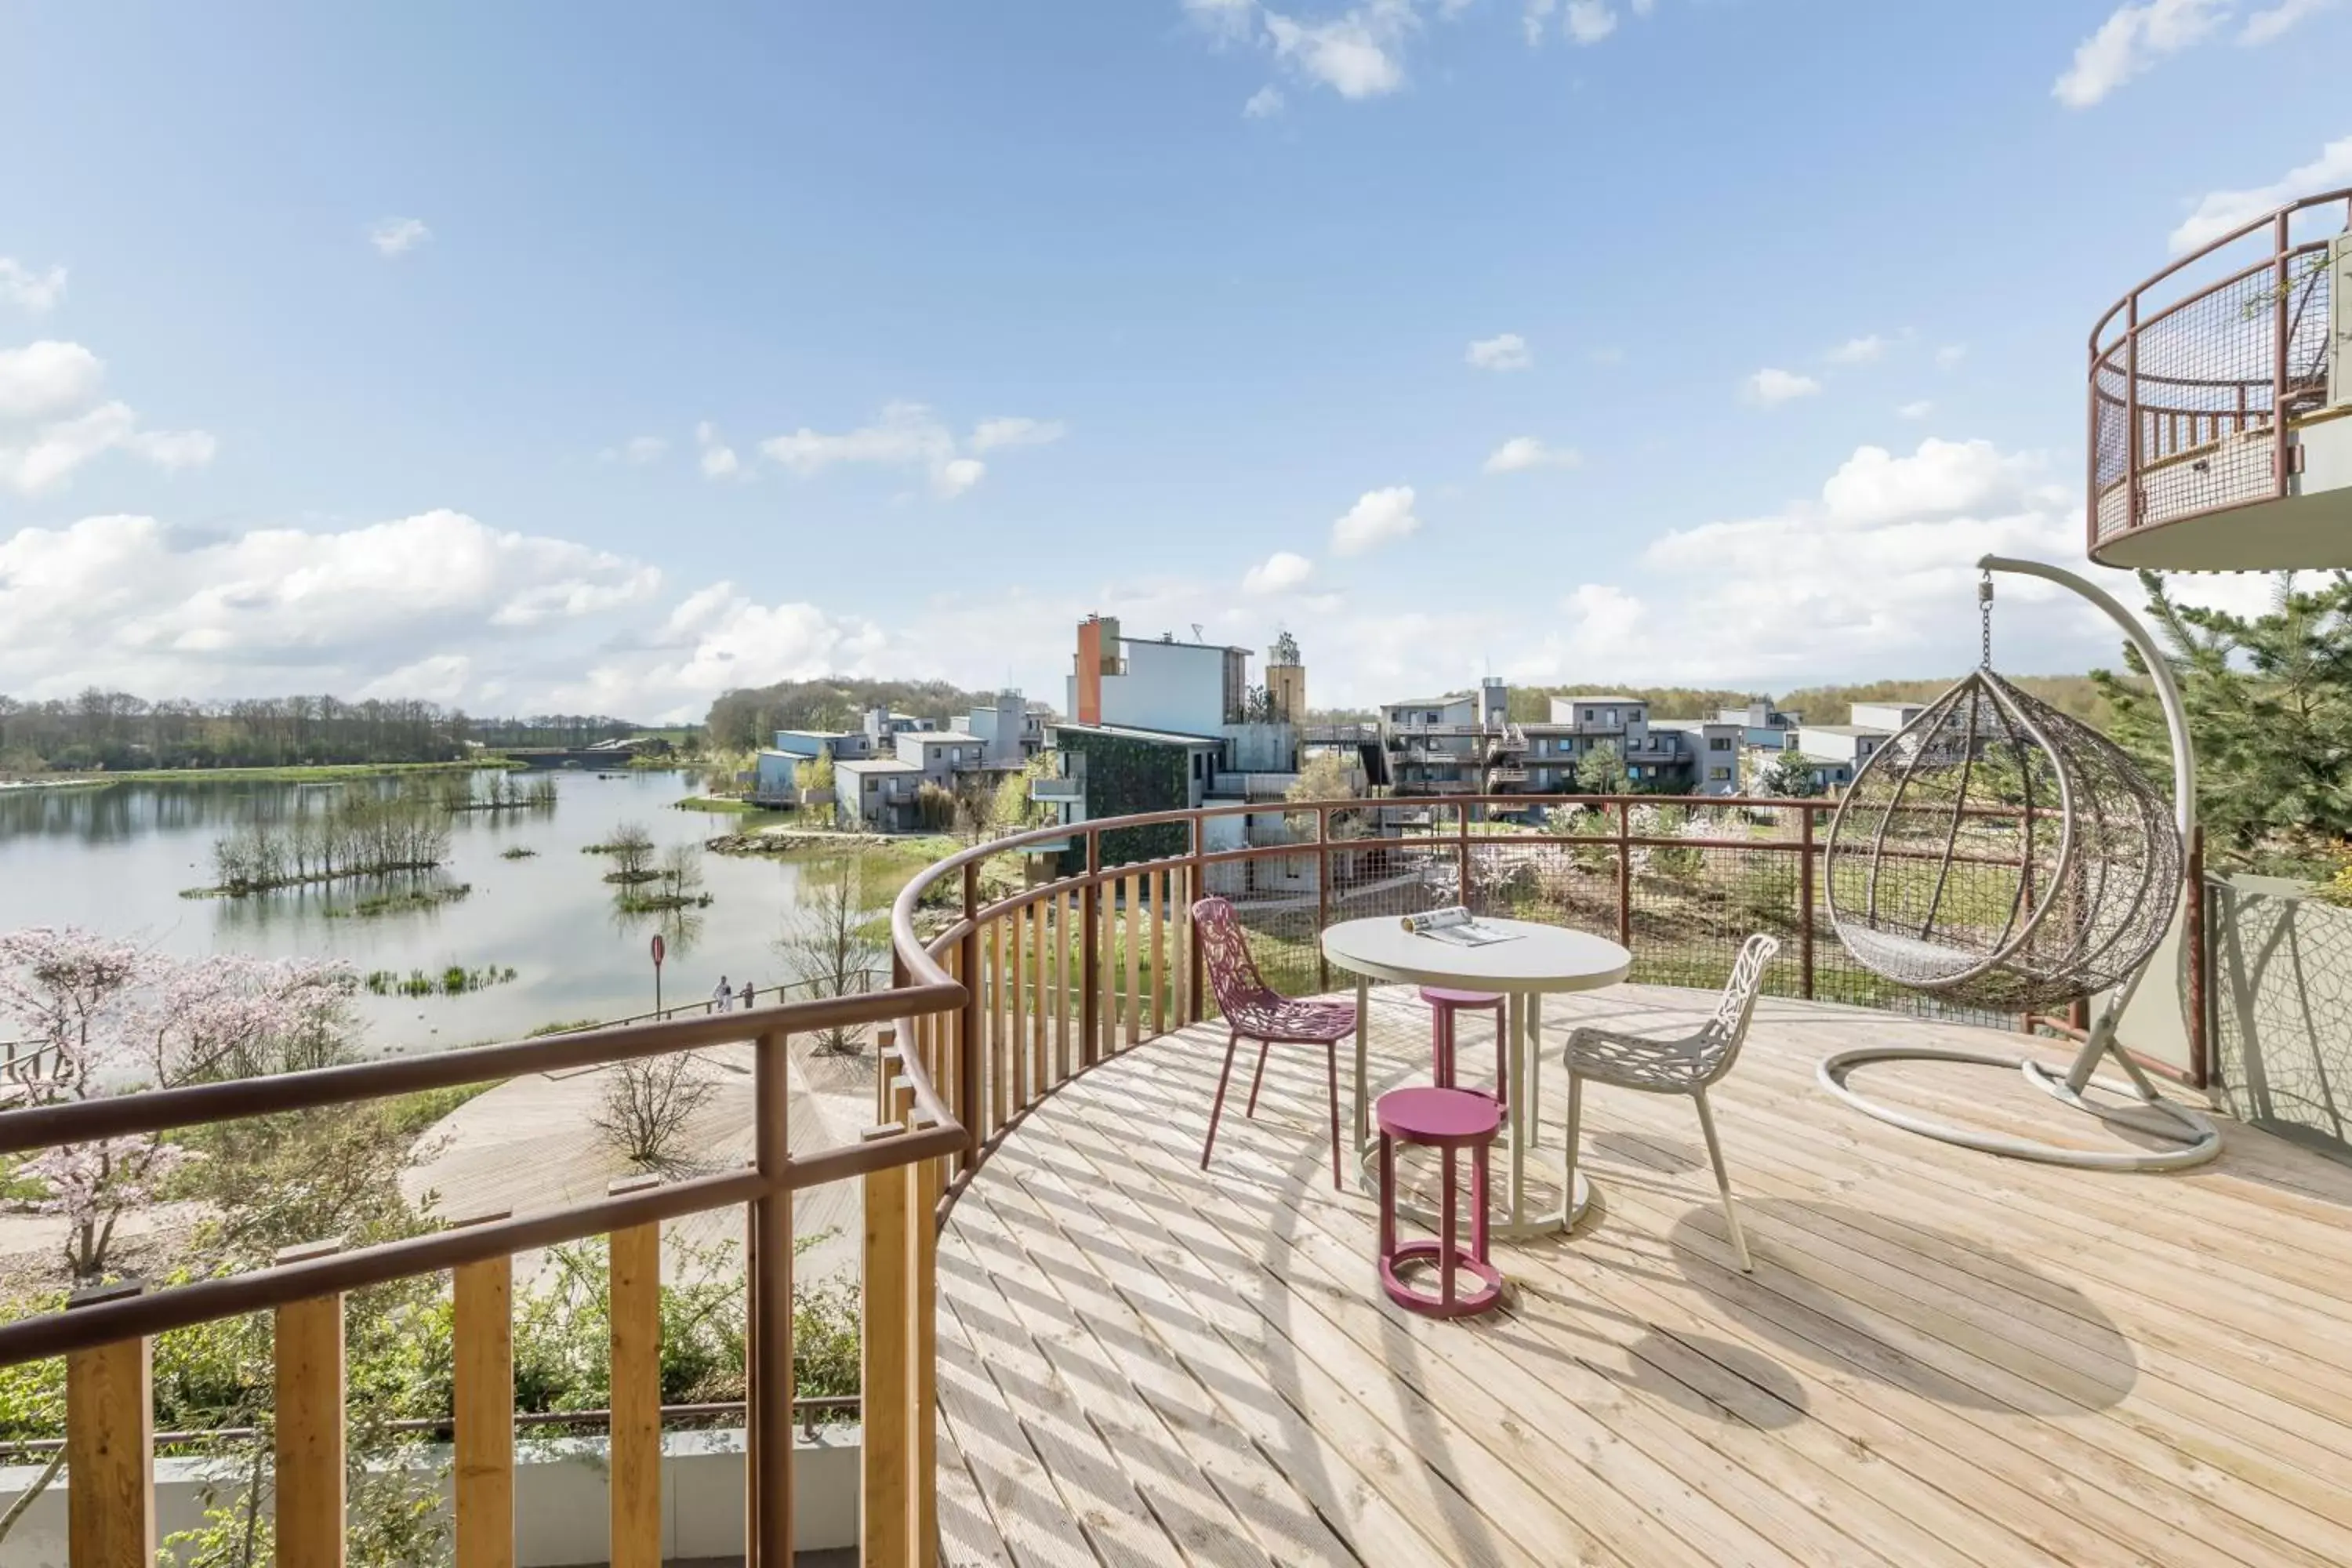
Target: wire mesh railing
(2196,381)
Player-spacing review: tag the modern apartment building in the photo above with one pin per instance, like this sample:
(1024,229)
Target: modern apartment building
(1836,751)
(1160,725)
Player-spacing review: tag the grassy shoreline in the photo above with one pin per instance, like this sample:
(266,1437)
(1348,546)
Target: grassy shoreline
(325,772)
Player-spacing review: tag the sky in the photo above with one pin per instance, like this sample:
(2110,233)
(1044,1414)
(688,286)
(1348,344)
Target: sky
(590,357)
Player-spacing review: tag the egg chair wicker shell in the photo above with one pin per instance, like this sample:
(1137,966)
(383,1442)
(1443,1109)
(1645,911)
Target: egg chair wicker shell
(2000,854)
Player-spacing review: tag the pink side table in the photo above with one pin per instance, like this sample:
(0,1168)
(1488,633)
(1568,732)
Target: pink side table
(1450,1121)
(1445,1008)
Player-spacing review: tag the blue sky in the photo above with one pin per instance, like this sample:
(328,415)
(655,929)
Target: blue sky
(601,356)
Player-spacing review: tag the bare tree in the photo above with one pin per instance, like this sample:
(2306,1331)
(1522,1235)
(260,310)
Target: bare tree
(631,850)
(647,1106)
(833,942)
(681,873)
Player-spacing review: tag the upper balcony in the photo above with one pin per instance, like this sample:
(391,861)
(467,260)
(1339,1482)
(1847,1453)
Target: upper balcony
(2218,391)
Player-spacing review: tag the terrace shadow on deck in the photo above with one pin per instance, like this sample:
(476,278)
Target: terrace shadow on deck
(1941,1357)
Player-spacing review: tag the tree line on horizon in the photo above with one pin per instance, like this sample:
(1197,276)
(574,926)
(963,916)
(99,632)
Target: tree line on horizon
(117,731)
(748,717)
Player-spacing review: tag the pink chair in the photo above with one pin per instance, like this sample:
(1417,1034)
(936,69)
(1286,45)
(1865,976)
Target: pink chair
(1254,1009)
(1445,1007)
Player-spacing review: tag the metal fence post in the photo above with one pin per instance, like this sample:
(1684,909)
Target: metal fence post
(1322,895)
(2196,937)
(1805,902)
(1461,854)
(1624,873)
(1196,1006)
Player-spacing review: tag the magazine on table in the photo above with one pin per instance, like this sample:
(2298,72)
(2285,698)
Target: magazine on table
(1458,926)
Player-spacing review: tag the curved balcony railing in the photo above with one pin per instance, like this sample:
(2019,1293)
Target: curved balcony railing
(1005,986)
(2199,376)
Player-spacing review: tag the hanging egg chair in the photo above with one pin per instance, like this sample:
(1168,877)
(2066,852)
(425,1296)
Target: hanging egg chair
(1998,853)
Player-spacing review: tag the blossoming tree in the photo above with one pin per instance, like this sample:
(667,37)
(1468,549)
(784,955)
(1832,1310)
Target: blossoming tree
(90,1016)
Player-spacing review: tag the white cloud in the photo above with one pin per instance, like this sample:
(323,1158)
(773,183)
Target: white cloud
(720,638)
(398,236)
(1644,8)
(1858,351)
(47,378)
(1229,21)
(2264,25)
(909,434)
(1589,21)
(1279,573)
(1532,20)
(956,476)
(1015,431)
(51,425)
(1879,570)
(443,678)
(171,450)
(1262,104)
(1950,355)
(2132,40)
(1521,453)
(125,601)
(1769,388)
(29,290)
(2219,211)
(1377,518)
(718,458)
(1359,53)
(1918,410)
(1507,352)
(636,450)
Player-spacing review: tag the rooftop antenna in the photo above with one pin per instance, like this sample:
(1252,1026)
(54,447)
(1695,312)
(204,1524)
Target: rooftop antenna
(1196,632)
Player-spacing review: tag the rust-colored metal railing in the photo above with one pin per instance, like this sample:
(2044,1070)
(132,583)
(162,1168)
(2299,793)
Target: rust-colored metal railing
(2199,376)
(1005,986)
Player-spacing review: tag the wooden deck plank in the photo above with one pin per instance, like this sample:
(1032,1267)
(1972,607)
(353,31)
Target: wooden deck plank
(1942,1358)
(1625,1453)
(1332,1243)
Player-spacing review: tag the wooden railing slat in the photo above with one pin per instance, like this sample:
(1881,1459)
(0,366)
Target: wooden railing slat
(1135,885)
(110,1451)
(309,1350)
(1158,885)
(482,1335)
(636,1454)
(885,1446)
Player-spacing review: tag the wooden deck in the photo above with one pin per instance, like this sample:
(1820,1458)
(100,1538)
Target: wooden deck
(1941,1357)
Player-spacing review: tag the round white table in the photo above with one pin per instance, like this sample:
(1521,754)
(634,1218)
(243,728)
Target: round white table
(1539,959)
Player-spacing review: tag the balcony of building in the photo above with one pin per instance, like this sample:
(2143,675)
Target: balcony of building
(2221,412)
(1079,1346)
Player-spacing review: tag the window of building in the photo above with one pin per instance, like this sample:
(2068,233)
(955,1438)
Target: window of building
(1719,775)
(1589,713)
(1719,742)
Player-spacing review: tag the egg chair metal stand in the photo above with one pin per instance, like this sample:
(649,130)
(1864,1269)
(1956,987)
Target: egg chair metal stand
(2084,872)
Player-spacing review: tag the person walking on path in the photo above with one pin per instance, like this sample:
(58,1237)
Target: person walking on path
(724,999)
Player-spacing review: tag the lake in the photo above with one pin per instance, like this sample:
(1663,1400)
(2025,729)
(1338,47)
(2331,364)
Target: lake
(115,857)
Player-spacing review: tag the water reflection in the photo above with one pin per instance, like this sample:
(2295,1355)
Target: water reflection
(115,859)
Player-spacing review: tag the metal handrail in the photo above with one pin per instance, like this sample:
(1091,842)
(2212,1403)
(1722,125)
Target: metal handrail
(2115,359)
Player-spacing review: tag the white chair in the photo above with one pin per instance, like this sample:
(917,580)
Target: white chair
(1685,1066)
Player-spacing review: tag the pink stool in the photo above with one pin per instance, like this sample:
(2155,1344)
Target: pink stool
(1449,1119)
(1445,1006)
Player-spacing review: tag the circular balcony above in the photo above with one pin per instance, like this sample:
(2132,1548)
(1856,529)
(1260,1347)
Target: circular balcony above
(2221,402)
